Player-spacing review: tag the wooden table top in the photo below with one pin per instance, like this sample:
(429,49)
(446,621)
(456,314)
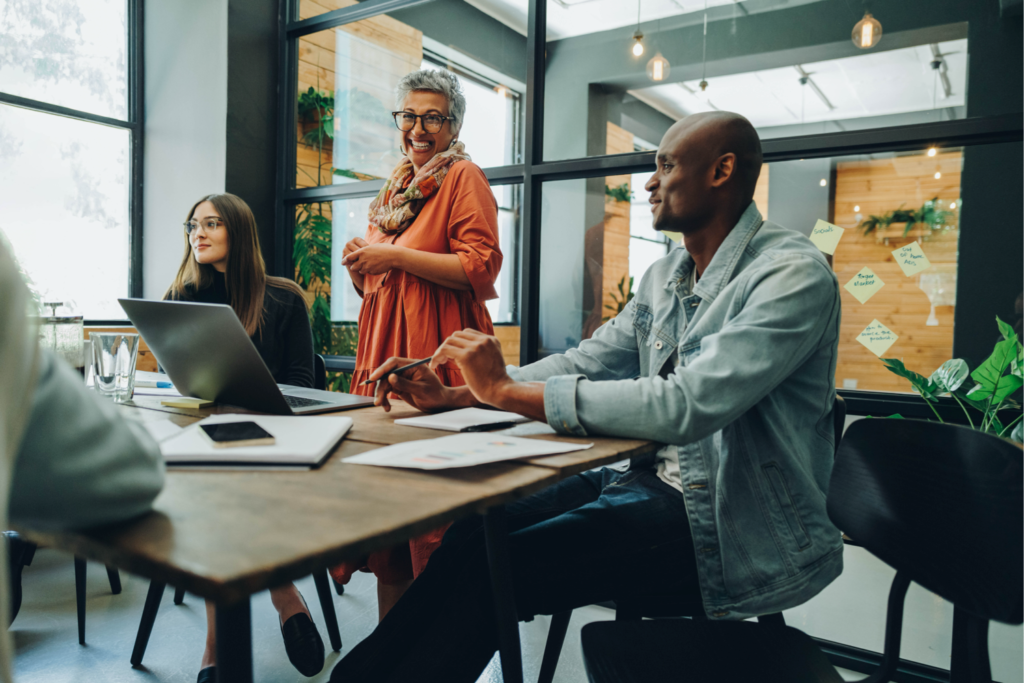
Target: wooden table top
(226,534)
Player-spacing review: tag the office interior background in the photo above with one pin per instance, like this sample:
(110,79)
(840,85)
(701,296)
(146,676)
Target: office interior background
(115,116)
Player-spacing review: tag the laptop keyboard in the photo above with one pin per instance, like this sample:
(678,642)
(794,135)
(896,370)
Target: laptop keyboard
(300,402)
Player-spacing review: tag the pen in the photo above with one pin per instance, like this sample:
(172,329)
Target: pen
(401,369)
(488,427)
(151,384)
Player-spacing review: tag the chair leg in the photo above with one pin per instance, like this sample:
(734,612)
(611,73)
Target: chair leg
(969,661)
(553,647)
(339,588)
(80,597)
(115,581)
(179,596)
(323,591)
(156,593)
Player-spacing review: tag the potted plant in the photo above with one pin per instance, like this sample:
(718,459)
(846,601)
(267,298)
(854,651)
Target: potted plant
(996,387)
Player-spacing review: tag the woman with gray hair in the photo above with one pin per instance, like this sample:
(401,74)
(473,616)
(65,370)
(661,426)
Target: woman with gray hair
(424,270)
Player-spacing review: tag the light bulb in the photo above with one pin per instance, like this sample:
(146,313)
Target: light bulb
(952,205)
(856,209)
(932,151)
(823,182)
(937,175)
(638,48)
(658,68)
(867,32)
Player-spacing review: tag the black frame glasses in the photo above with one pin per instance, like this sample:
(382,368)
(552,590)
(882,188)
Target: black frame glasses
(194,224)
(423,119)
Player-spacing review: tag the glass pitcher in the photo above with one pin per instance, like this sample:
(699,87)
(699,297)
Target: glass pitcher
(63,334)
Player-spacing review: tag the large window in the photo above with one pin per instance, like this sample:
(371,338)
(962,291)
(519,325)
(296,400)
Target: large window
(70,134)
(889,140)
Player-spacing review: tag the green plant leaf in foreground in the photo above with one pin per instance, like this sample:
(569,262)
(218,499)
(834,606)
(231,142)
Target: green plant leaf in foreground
(990,373)
(921,384)
(951,375)
(1018,434)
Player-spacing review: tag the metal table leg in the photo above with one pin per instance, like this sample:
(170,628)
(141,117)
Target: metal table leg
(496,536)
(234,643)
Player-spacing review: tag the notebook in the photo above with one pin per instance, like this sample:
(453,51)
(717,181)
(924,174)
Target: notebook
(299,441)
(464,420)
(461,450)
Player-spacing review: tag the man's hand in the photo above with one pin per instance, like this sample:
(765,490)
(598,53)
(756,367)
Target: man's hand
(419,387)
(478,357)
(372,259)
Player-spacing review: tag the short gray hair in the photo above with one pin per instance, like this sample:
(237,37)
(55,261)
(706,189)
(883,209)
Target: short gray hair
(439,81)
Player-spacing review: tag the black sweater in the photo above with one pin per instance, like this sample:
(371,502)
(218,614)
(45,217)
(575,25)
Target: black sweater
(285,342)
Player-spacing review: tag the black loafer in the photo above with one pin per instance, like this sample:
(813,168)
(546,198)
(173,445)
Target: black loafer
(208,675)
(303,644)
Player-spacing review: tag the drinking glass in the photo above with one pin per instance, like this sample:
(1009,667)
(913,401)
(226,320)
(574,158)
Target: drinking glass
(113,364)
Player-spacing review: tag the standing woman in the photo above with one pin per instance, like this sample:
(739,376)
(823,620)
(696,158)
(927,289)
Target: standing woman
(223,265)
(427,265)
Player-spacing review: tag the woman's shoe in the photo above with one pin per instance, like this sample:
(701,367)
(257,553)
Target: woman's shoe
(303,644)
(208,675)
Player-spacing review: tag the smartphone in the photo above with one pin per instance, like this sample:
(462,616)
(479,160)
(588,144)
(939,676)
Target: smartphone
(233,434)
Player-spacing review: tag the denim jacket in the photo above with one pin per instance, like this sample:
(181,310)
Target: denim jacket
(749,407)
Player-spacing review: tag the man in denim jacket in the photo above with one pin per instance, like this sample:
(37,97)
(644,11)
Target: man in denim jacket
(728,355)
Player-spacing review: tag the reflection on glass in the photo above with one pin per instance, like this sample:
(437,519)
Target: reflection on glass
(70,53)
(788,66)
(597,241)
(347,80)
(65,208)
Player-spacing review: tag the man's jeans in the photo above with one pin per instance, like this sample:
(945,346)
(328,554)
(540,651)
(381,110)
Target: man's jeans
(601,535)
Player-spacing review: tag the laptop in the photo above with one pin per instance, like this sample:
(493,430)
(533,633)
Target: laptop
(207,354)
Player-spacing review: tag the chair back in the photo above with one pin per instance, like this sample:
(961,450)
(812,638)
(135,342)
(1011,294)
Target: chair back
(940,502)
(838,419)
(319,372)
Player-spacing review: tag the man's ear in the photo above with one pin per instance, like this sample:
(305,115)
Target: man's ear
(725,166)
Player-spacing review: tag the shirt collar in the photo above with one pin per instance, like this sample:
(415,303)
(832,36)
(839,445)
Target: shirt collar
(723,263)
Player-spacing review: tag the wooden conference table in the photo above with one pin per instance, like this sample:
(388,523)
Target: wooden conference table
(224,535)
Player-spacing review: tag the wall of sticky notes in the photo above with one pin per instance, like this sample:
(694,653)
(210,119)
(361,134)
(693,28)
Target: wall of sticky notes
(874,285)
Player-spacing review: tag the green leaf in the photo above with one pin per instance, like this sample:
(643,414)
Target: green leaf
(896,416)
(990,373)
(1007,385)
(1006,330)
(1018,434)
(921,384)
(951,374)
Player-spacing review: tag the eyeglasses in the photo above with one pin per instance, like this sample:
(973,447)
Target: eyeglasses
(207,224)
(406,121)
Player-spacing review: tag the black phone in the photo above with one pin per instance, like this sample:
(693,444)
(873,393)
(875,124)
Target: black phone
(233,434)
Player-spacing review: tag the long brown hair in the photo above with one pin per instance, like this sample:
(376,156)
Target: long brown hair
(246,277)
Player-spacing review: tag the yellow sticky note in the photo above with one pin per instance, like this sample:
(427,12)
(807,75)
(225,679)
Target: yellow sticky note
(864,285)
(911,259)
(877,338)
(826,236)
(674,236)
(186,402)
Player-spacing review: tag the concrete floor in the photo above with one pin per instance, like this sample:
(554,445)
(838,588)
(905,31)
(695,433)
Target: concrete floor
(47,649)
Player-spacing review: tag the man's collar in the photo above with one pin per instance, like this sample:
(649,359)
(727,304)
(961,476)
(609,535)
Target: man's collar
(723,263)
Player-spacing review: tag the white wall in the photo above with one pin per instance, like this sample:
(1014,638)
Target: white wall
(186,113)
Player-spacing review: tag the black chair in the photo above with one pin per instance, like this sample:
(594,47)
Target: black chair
(322,579)
(20,554)
(669,605)
(940,503)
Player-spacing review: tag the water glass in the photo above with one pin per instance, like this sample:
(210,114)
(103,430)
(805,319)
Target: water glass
(113,364)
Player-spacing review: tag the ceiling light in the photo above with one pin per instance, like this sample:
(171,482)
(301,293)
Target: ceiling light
(856,209)
(823,182)
(938,175)
(932,151)
(867,32)
(657,68)
(952,205)
(638,46)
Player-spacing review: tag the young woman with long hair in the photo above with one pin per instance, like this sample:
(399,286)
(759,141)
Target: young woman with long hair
(223,265)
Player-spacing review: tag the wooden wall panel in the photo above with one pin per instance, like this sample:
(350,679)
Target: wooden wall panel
(878,186)
(508,335)
(616,224)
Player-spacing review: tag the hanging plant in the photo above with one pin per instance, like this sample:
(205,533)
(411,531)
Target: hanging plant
(930,215)
(621,193)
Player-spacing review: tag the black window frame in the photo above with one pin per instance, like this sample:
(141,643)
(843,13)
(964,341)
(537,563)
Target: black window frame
(535,171)
(135,125)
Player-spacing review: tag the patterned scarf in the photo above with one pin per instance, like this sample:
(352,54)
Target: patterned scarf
(394,209)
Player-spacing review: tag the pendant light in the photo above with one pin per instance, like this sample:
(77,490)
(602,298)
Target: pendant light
(657,68)
(704,58)
(867,32)
(638,36)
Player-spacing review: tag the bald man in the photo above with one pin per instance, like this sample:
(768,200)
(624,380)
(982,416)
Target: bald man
(727,355)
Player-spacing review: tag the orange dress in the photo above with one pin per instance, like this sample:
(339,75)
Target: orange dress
(407,316)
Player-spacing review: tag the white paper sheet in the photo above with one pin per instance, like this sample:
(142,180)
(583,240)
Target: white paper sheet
(161,430)
(458,420)
(461,450)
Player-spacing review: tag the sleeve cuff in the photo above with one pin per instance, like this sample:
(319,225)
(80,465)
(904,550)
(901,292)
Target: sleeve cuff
(560,405)
(479,278)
